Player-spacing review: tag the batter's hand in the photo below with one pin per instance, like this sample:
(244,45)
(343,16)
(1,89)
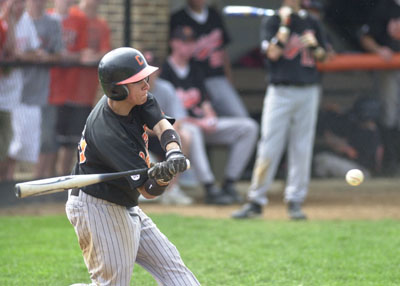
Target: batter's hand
(176,161)
(161,172)
(309,40)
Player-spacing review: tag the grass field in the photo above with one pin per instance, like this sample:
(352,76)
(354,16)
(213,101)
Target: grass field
(44,251)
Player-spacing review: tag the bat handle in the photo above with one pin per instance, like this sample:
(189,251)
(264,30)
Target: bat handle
(17,191)
(187,164)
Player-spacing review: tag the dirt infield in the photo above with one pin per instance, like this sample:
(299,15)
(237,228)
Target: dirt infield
(327,200)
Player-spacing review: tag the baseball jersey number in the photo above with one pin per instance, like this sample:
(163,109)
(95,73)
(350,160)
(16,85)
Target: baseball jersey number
(82,149)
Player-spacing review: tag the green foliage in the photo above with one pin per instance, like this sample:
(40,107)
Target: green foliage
(44,251)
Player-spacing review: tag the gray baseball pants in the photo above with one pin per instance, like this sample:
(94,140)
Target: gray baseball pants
(288,120)
(239,134)
(112,238)
(224,97)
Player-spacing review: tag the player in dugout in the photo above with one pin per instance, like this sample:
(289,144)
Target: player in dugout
(112,230)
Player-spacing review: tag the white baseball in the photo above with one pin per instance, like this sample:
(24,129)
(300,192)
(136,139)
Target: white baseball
(354,177)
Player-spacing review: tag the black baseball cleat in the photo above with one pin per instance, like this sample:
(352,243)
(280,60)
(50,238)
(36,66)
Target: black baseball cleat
(249,210)
(214,196)
(295,212)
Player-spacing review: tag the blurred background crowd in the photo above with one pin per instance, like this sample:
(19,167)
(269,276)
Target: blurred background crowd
(49,50)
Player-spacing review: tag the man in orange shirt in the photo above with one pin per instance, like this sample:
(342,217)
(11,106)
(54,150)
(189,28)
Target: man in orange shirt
(98,44)
(79,103)
(65,118)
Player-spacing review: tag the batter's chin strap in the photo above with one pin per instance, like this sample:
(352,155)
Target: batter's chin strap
(168,136)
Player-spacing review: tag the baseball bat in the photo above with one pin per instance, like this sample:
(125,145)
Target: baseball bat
(232,10)
(59,184)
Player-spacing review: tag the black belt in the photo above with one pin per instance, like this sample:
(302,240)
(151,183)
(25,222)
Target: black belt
(75,192)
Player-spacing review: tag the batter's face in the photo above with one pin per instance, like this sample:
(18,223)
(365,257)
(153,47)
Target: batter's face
(294,4)
(138,92)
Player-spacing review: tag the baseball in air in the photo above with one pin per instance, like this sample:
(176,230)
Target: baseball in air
(354,177)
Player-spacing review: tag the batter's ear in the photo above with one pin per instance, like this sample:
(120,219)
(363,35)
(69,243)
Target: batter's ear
(119,92)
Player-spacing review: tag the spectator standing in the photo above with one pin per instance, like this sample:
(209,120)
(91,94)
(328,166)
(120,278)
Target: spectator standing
(65,119)
(381,35)
(240,134)
(98,44)
(211,41)
(7,50)
(11,83)
(80,103)
(27,117)
(293,42)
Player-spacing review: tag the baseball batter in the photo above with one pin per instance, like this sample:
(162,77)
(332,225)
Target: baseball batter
(113,232)
(293,42)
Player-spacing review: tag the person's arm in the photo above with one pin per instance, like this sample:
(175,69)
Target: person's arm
(277,44)
(310,41)
(152,188)
(162,126)
(340,145)
(370,45)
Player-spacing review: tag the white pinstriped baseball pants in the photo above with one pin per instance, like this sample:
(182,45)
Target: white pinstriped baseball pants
(112,238)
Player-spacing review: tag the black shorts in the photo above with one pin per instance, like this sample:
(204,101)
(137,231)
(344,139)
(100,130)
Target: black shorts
(71,120)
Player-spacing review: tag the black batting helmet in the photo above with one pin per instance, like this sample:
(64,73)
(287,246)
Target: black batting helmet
(119,67)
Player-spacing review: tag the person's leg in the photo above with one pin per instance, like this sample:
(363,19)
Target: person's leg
(46,166)
(240,136)
(108,235)
(301,142)
(225,99)
(201,165)
(5,139)
(25,145)
(160,257)
(198,154)
(274,128)
(71,122)
(331,165)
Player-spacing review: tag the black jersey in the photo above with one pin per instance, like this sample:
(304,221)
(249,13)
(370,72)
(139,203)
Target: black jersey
(189,88)
(115,143)
(381,25)
(297,64)
(211,38)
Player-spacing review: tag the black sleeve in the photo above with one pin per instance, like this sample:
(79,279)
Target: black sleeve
(271,28)
(220,23)
(150,112)
(320,34)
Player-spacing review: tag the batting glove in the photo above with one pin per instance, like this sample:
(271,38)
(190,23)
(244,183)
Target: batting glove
(161,172)
(177,162)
